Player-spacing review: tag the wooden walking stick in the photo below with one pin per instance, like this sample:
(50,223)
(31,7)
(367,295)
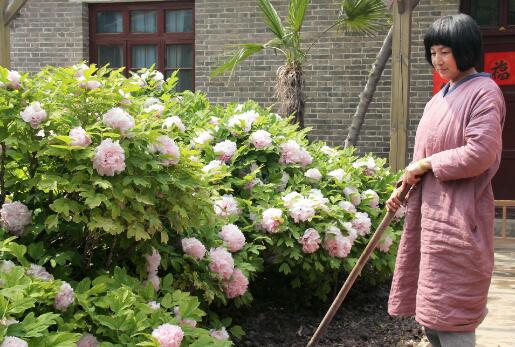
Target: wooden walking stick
(355,272)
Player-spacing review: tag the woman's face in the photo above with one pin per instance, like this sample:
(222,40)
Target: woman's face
(444,62)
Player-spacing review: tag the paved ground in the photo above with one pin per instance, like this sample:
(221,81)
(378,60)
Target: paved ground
(498,329)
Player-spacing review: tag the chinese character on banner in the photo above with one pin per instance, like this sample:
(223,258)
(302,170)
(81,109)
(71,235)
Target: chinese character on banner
(438,82)
(501,65)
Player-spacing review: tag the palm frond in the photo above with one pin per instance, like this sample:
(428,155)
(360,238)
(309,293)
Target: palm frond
(296,13)
(272,20)
(363,16)
(245,51)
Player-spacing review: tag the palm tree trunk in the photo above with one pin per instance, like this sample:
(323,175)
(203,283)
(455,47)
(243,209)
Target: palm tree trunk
(288,90)
(365,98)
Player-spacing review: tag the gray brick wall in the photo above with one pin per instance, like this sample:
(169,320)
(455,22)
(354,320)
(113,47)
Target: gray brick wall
(56,32)
(49,32)
(336,71)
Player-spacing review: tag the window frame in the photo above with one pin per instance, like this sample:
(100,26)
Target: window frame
(126,39)
(466,7)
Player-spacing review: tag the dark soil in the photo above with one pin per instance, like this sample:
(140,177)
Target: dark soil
(281,319)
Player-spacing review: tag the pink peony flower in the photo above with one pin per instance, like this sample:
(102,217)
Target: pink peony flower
(168,335)
(193,247)
(109,158)
(222,262)
(353,234)
(79,137)
(91,84)
(369,165)
(362,223)
(302,210)
(347,206)
(169,148)
(261,139)
(236,285)
(64,297)
(339,175)
(15,216)
(272,219)
(352,194)
(293,153)
(234,238)
(154,305)
(221,334)
(385,244)
(12,341)
(81,69)
(153,261)
(251,184)
(14,78)
(314,174)
(203,137)
(39,272)
(88,340)
(400,213)
(214,120)
(212,165)
(34,114)
(243,120)
(372,197)
(174,121)
(154,279)
(310,241)
(329,151)
(117,118)
(290,198)
(318,199)
(6,265)
(225,150)
(226,206)
(336,244)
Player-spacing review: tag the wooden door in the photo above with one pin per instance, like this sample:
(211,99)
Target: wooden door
(497,21)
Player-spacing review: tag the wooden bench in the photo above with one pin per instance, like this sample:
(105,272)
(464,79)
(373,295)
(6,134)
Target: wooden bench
(504,204)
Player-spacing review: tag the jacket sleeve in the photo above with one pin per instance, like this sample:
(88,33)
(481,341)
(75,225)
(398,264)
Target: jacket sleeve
(483,142)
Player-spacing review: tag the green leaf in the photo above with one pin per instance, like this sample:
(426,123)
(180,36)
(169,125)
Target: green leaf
(33,326)
(237,57)
(272,20)
(296,13)
(104,184)
(363,16)
(64,206)
(52,221)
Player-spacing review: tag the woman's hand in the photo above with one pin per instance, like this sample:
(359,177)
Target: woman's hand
(394,203)
(415,170)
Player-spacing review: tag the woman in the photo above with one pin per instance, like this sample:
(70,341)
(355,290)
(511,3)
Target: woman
(445,259)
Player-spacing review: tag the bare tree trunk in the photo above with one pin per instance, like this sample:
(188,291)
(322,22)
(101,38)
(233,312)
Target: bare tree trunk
(365,98)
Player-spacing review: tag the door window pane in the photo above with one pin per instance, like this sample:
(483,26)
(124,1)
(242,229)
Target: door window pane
(143,22)
(109,22)
(486,12)
(179,21)
(511,12)
(185,79)
(143,56)
(178,56)
(112,55)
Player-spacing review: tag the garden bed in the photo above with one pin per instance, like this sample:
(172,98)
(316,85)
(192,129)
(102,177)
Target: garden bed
(278,318)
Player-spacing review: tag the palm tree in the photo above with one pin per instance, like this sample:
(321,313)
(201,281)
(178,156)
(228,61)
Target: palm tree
(363,16)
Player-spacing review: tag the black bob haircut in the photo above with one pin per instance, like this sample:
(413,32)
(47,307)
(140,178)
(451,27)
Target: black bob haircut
(459,32)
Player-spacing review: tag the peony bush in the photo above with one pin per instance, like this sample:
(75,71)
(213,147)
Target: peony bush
(127,182)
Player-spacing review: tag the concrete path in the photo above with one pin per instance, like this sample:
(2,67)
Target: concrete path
(498,328)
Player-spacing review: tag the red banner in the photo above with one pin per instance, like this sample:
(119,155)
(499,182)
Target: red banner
(438,82)
(502,67)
